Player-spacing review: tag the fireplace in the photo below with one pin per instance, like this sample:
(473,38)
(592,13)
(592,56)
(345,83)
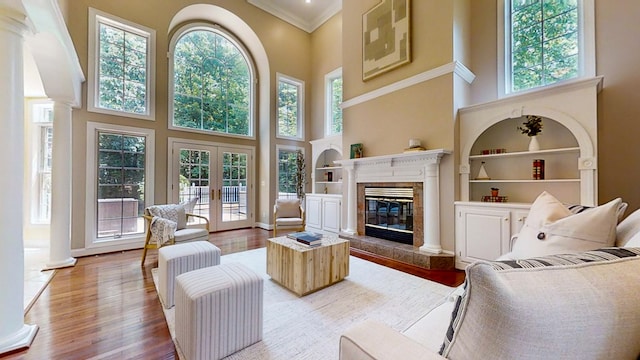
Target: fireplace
(389,213)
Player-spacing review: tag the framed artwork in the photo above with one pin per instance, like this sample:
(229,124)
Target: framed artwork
(356,151)
(385,37)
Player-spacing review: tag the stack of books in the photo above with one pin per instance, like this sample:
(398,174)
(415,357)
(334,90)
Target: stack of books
(306,238)
(488,198)
(538,169)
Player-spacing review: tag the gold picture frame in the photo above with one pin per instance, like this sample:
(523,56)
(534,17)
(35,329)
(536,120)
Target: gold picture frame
(386,42)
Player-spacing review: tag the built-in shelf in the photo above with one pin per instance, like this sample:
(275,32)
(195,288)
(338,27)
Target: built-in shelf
(329,168)
(523,181)
(329,182)
(527,153)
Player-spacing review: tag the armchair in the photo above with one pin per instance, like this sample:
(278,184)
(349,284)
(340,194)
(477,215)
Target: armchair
(288,214)
(167,224)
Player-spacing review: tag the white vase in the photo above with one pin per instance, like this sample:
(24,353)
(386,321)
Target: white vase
(533,144)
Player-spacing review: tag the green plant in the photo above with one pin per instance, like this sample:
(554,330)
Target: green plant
(533,125)
(300,174)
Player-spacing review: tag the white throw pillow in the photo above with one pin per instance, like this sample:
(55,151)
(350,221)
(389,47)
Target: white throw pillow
(628,229)
(189,205)
(550,228)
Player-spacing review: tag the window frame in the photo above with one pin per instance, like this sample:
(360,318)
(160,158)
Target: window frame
(97,17)
(586,46)
(91,220)
(252,70)
(290,148)
(36,169)
(328,118)
(300,84)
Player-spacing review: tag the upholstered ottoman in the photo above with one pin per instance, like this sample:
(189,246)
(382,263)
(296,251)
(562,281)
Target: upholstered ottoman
(218,311)
(180,258)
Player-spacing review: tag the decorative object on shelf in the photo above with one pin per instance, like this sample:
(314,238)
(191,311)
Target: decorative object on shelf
(488,198)
(329,176)
(414,145)
(494,192)
(356,151)
(482,174)
(538,169)
(301,179)
(493,151)
(385,37)
(532,127)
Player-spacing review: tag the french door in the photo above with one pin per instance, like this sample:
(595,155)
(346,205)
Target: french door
(219,176)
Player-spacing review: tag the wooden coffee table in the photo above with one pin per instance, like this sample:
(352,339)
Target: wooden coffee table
(304,269)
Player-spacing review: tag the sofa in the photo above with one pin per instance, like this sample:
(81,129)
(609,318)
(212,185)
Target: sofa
(560,303)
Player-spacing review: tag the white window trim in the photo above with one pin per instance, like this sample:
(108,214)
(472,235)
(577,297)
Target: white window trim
(328,98)
(95,18)
(245,52)
(288,148)
(91,239)
(301,118)
(34,134)
(586,43)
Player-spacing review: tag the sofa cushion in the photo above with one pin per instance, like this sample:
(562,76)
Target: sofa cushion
(550,228)
(578,306)
(288,208)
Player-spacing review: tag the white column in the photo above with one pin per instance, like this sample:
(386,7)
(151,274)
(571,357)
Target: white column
(14,333)
(352,201)
(431,210)
(60,243)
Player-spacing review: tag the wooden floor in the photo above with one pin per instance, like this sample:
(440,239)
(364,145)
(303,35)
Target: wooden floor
(106,307)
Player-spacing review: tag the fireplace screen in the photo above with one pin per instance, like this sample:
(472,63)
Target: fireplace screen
(389,213)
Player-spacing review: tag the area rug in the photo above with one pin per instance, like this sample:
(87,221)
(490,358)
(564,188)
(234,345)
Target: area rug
(309,327)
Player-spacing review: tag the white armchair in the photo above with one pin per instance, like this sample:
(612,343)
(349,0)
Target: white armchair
(288,214)
(167,224)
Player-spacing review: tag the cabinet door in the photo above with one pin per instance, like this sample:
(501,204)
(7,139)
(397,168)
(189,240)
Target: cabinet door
(331,215)
(482,234)
(314,212)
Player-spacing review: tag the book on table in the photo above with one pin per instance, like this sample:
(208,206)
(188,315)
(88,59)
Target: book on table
(306,237)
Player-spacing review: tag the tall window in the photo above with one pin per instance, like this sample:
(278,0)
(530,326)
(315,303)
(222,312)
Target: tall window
(333,98)
(42,119)
(287,171)
(122,57)
(290,108)
(546,41)
(212,82)
(120,184)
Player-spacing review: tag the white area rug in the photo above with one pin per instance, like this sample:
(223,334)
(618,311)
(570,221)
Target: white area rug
(309,327)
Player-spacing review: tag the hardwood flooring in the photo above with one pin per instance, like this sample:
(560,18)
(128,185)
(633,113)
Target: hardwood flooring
(106,307)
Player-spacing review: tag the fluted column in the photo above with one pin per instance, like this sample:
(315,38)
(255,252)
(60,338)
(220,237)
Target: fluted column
(351,201)
(14,333)
(431,210)
(60,243)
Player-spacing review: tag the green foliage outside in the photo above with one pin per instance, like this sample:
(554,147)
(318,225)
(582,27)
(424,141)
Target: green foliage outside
(212,84)
(289,162)
(123,71)
(336,111)
(544,42)
(288,97)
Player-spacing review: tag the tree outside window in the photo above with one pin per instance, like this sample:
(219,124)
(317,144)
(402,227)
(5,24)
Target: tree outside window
(289,161)
(290,107)
(544,42)
(333,84)
(212,83)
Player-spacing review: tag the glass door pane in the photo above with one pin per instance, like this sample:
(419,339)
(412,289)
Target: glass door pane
(235,182)
(194,168)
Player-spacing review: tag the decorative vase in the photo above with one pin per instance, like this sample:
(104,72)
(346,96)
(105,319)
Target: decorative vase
(494,193)
(533,144)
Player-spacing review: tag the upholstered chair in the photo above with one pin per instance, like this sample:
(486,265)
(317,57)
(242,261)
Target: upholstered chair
(288,214)
(167,225)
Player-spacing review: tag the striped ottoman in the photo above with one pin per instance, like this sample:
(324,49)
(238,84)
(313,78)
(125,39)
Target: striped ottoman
(218,311)
(177,259)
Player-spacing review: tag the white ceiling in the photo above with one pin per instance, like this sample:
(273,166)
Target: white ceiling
(306,16)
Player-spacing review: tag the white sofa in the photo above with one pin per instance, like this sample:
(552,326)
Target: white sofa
(565,309)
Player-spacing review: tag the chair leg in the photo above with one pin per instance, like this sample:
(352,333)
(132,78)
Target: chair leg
(146,246)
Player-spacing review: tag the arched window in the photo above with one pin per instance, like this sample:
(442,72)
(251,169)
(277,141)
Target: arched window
(211,83)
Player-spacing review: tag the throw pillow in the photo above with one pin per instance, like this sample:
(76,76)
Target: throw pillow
(550,228)
(189,205)
(628,228)
(288,208)
(576,209)
(570,306)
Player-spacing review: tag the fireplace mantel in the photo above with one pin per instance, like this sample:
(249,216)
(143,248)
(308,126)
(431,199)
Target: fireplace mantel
(417,166)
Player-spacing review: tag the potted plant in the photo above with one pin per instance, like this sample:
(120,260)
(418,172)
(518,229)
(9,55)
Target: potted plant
(494,191)
(532,127)
(300,175)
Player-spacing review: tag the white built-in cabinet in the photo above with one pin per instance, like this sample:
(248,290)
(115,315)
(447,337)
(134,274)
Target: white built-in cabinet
(323,205)
(568,144)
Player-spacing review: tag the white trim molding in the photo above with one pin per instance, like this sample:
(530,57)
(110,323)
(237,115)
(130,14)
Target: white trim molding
(455,67)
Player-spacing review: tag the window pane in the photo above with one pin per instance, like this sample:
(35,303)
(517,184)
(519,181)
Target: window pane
(212,84)
(287,168)
(122,70)
(288,105)
(121,178)
(336,101)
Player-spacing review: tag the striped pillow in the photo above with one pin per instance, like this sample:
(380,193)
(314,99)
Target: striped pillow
(533,308)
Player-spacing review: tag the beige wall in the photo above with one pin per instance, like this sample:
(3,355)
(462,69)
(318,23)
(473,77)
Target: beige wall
(288,50)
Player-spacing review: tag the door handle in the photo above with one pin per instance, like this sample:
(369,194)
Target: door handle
(213,194)
(219,194)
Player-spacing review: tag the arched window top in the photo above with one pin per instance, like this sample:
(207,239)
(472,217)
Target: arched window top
(211,83)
